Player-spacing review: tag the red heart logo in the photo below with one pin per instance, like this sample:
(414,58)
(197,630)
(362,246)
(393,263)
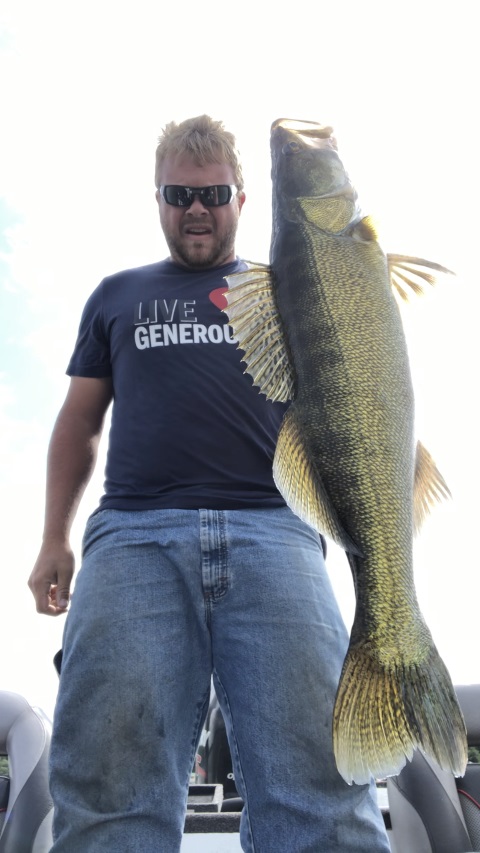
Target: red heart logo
(218,297)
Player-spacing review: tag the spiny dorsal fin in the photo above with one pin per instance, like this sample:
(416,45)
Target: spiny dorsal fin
(429,487)
(253,316)
(302,487)
(415,273)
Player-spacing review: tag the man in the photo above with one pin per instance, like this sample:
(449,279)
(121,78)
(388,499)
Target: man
(193,566)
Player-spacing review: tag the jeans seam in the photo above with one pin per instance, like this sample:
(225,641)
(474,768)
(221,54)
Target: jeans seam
(203,707)
(236,760)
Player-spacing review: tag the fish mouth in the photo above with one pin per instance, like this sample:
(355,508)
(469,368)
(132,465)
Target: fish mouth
(309,128)
(312,134)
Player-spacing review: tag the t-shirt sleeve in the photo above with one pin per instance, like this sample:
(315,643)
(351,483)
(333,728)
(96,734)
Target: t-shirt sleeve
(91,356)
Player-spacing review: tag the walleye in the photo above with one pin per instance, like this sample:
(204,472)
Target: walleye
(320,326)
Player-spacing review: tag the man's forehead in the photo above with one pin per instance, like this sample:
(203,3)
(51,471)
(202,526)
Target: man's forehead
(183,168)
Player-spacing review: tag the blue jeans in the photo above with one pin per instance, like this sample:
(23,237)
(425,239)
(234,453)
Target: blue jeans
(164,600)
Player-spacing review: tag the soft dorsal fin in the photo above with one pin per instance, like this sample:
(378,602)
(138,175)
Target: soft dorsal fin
(429,486)
(253,316)
(409,274)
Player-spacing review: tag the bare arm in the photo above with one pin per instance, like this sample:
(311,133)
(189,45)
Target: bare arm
(71,460)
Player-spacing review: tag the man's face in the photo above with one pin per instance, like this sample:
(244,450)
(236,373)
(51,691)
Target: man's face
(198,236)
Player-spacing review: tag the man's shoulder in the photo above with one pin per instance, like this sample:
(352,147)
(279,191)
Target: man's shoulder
(146,271)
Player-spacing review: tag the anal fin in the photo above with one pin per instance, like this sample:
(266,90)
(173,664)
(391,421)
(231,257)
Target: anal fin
(429,486)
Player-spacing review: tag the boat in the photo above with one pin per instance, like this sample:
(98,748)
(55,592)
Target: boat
(425,809)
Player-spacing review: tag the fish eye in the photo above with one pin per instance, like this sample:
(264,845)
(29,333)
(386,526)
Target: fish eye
(291,148)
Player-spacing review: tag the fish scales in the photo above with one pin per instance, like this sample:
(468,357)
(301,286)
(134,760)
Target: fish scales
(350,419)
(320,327)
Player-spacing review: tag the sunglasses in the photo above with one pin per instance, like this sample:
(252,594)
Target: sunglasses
(214,196)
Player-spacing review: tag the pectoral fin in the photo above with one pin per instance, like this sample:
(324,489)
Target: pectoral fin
(302,487)
(413,273)
(253,316)
(429,486)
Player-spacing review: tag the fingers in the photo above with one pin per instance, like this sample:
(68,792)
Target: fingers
(61,593)
(51,579)
(50,602)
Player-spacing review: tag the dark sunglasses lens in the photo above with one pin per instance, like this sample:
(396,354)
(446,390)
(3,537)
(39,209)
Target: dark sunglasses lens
(224,194)
(176,195)
(216,195)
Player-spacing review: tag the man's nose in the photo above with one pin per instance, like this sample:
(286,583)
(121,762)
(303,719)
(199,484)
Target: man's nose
(197,206)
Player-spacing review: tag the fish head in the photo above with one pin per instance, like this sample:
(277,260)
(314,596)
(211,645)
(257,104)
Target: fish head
(309,180)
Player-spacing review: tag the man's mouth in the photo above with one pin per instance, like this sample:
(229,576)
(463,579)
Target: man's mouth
(197,230)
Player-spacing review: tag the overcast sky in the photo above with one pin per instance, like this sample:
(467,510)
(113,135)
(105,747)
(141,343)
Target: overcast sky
(86,89)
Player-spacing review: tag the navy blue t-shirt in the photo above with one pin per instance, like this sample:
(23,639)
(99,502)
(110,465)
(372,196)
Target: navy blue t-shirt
(189,430)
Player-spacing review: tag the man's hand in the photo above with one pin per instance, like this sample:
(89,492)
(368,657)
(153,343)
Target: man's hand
(51,578)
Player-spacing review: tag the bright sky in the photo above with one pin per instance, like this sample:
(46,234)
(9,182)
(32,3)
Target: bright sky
(86,89)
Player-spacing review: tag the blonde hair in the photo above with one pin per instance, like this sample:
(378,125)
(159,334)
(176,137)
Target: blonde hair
(204,139)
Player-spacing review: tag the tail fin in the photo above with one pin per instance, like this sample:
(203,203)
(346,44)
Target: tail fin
(382,715)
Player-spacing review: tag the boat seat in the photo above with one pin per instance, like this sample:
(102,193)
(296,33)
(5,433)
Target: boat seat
(26,818)
(430,810)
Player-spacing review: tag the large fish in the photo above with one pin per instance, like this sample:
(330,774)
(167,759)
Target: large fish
(321,326)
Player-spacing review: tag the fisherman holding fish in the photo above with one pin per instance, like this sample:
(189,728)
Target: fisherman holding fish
(193,566)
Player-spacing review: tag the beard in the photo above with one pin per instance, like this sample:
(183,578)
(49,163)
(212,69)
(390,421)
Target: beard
(200,255)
